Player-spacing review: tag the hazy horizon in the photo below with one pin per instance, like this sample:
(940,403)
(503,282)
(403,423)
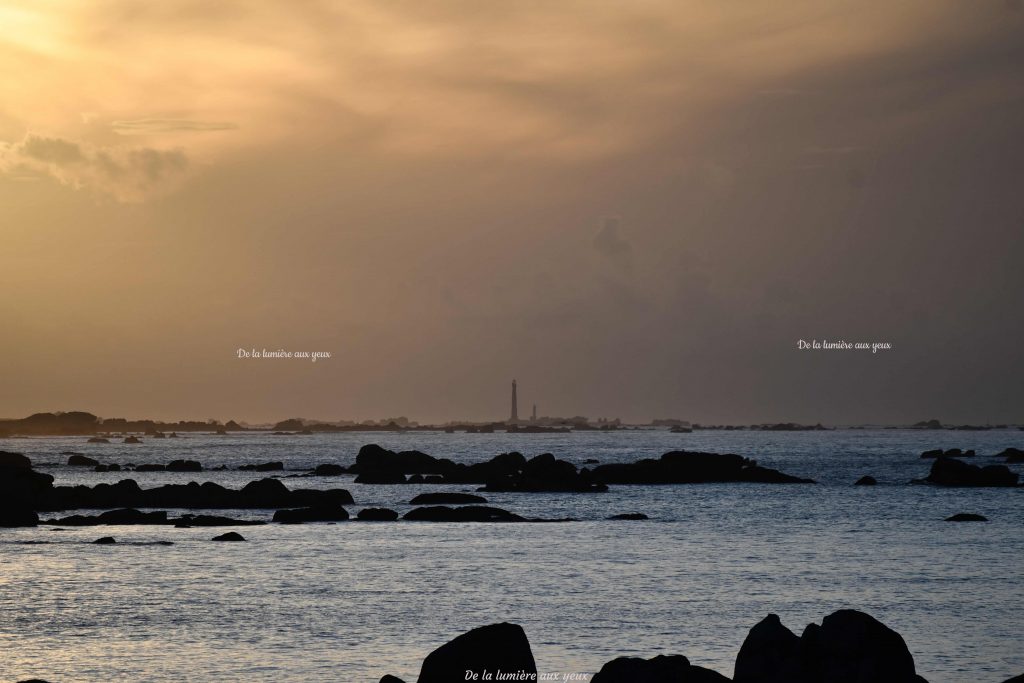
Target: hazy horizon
(636,210)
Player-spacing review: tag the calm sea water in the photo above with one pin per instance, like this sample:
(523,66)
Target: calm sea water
(350,602)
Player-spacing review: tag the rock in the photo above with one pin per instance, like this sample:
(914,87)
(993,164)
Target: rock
(17,517)
(660,669)
(21,489)
(132,439)
(380,477)
(150,468)
(966,517)
(629,516)
(14,461)
(322,513)
(229,536)
(390,679)
(112,467)
(691,467)
(468,513)
(213,520)
(79,460)
(1012,455)
(447,498)
(591,461)
(377,515)
(120,517)
(866,480)
(329,470)
(545,473)
(373,458)
(1015,679)
(264,467)
(951,472)
(497,648)
(848,647)
(950,453)
(98,439)
(106,540)
(184,466)
(769,654)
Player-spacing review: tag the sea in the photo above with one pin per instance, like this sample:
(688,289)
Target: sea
(352,601)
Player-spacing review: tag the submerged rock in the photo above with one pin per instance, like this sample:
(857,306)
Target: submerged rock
(320,513)
(496,648)
(79,460)
(106,540)
(629,516)
(382,478)
(132,439)
(184,466)
(950,453)
(229,536)
(660,669)
(447,498)
(264,467)
(329,470)
(388,678)
(98,439)
(866,480)
(966,517)
(468,513)
(951,472)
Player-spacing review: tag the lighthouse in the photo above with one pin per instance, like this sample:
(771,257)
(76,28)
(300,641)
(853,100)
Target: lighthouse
(515,407)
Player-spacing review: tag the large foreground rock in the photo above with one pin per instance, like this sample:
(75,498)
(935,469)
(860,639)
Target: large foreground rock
(497,648)
(952,472)
(848,647)
(691,467)
(20,489)
(660,669)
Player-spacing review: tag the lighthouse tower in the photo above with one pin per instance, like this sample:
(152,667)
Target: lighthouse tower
(515,407)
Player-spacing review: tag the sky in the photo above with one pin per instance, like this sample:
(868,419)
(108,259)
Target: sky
(635,209)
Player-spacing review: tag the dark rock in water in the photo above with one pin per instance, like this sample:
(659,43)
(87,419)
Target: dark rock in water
(380,477)
(14,461)
(950,453)
(660,669)
(17,517)
(184,466)
(374,458)
(132,439)
(1012,455)
(98,439)
(150,468)
(264,467)
(545,473)
(591,461)
(1015,679)
(213,520)
(848,647)
(106,540)
(377,515)
(951,472)
(630,516)
(120,517)
(390,679)
(79,460)
(966,517)
(447,498)
(468,513)
(329,470)
(112,467)
(33,680)
(866,480)
(322,513)
(691,467)
(498,647)
(229,536)
(769,654)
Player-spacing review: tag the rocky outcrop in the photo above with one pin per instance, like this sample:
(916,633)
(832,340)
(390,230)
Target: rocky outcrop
(545,473)
(949,453)
(79,460)
(388,678)
(20,489)
(660,669)
(320,513)
(447,498)
(275,466)
(468,513)
(377,515)
(866,480)
(848,647)
(229,536)
(329,470)
(966,517)
(496,648)
(184,466)
(380,477)
(105,540)
(952,472)
(629,516)
(131,516)
(98,439)
(1012,455)
(690,467)
(131,439)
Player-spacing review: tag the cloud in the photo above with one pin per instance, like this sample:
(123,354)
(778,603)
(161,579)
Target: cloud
(157,126)
(128,174)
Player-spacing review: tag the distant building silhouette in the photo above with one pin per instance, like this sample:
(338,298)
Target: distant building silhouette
(533,417)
